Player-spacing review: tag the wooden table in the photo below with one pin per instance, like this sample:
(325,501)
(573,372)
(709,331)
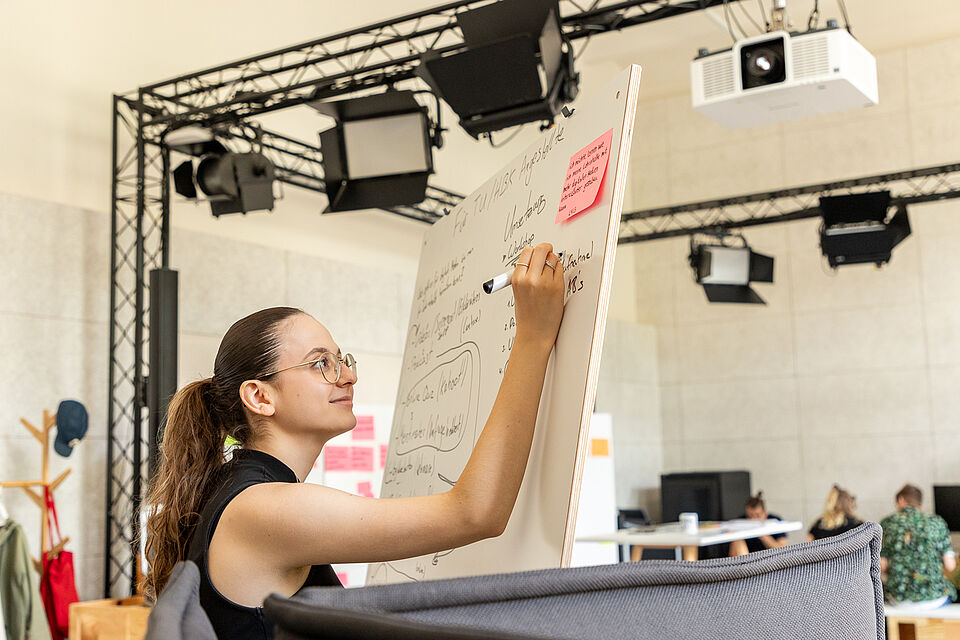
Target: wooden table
(942,623)
(687,544)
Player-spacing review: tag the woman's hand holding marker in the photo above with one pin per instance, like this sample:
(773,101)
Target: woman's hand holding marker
(502,281)
(538,287)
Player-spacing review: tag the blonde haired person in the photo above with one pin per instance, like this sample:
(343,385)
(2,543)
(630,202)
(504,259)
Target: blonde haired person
(839,515)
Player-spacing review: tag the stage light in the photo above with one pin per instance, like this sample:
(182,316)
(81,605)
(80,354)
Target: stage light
(855,228)
(380,152)
(725,271)
(232,182)
(515,66)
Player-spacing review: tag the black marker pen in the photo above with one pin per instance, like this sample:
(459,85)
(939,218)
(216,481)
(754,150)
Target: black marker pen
(503,280)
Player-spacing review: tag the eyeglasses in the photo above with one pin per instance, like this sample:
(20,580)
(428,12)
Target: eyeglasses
(327,364)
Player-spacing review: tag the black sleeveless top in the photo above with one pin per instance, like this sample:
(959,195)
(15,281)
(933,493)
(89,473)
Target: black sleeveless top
(232,621)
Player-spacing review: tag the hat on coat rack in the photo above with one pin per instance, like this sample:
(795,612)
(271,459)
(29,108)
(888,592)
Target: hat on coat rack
(71,426)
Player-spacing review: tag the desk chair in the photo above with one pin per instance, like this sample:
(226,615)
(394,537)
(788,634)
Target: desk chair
(177,614)
(629,518)
(828,589)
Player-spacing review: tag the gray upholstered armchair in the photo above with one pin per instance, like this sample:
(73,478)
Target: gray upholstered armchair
(829,590)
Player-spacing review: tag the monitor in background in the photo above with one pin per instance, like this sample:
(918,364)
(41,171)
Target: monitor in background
(946,504)
(713,495)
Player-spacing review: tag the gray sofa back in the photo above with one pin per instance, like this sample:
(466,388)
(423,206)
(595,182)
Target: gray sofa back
(829,589)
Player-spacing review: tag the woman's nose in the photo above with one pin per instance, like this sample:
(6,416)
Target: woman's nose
(347,376)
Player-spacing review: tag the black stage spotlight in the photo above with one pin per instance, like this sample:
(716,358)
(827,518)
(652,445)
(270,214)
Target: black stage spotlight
(515,66)
(233,182)
(856,230)
(379,154)
(726,271)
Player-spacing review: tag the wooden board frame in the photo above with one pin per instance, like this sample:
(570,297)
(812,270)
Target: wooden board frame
(457,333)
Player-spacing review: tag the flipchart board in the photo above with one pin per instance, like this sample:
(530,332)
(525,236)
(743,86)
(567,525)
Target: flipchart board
(566,189)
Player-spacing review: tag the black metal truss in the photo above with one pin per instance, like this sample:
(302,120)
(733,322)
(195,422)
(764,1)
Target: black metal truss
(913,186)
(140,231)
(377,55)
(352,62)
(229,97)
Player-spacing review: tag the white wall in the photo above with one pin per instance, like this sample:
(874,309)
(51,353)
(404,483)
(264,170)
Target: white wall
(629,390)
(844,377)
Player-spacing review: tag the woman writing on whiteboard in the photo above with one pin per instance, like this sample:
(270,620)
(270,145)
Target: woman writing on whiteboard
(282,388)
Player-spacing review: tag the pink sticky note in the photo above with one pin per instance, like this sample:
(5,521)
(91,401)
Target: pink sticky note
(383,456)
(361,458)
(364,428)
(342,577)
(584,177)
(364,489)
(336,459)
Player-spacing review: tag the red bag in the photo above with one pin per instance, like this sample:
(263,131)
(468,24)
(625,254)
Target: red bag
(58,589)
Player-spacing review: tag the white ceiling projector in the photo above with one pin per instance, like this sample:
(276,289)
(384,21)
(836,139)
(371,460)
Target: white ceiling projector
(781,76)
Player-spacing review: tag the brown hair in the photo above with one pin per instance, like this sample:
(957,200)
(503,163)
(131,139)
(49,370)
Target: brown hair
(911,495)
(200,417)
(754,502)
(840,504)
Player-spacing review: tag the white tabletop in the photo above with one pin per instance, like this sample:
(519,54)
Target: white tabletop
(946,612)
(670,535)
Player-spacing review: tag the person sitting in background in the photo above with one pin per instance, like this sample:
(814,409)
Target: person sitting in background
(916,554)
(755,509)
(838,515)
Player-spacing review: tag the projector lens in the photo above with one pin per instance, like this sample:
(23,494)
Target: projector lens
(762,63)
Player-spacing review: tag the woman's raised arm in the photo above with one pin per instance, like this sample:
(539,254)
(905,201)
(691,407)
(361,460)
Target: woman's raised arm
(293,525)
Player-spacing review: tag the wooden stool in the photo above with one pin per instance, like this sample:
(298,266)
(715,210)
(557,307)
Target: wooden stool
(942,623)
(109,619)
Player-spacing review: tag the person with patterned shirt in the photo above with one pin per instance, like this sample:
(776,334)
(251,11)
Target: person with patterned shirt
(916,555)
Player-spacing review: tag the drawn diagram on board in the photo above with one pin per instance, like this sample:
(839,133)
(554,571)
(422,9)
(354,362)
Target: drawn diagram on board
(436,422)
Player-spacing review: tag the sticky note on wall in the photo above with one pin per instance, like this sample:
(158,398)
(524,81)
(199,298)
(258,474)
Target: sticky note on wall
(348,459)
(364,429)
(361,458)
(365,489)
(585,173)
(599,447)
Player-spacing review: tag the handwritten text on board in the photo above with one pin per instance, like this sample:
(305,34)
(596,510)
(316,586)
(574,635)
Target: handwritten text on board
(584,177)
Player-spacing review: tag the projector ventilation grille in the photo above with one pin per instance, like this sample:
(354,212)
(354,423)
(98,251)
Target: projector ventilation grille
(718,77)
(810,58)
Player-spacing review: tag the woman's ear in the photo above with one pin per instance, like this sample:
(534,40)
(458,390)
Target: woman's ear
(257,396)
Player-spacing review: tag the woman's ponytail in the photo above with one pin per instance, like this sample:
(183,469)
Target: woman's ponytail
(192,452)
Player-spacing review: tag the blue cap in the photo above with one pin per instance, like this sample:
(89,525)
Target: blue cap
(71,426)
